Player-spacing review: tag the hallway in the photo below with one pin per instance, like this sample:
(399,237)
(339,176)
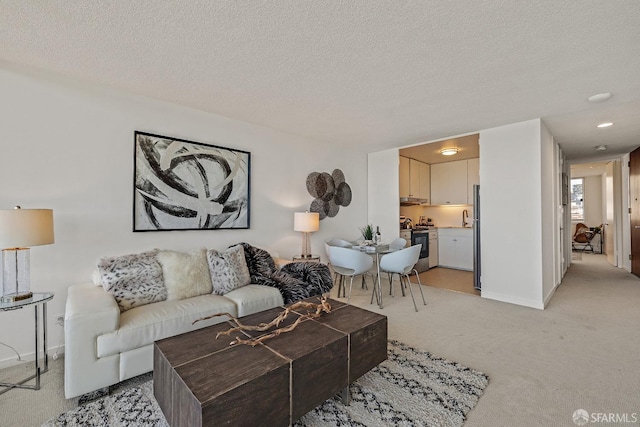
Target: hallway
(581,352)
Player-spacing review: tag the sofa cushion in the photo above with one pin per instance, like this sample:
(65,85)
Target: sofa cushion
(255,298)
(185,275)
(133,280)
(228,269)
(144,325)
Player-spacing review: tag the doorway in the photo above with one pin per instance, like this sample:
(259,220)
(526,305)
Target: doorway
(436,188)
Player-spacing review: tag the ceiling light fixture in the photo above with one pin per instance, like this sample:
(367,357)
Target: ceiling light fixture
(600,148)
(599,97)
(605,125)
(449,151)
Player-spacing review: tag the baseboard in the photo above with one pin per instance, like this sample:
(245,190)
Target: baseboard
(511,300)
(29,357)
(551,294)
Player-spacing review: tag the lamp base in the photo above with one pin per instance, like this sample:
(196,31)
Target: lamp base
(16,297)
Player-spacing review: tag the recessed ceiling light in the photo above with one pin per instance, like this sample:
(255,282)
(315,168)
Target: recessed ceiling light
(600,148)
(448,151)
(599,97)
(605,124)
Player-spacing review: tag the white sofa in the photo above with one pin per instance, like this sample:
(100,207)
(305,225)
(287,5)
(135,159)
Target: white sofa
(104,346)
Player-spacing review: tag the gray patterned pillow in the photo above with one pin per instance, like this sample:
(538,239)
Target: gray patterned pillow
(228,269)
(133,280)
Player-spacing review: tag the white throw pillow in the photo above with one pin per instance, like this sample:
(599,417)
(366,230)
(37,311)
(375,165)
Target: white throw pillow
(228,269)
(185,275)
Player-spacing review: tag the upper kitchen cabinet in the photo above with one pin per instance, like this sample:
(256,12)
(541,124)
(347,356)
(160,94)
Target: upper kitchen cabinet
(473,177)
(415,179)
(405,177)
(452,182)
(449,183)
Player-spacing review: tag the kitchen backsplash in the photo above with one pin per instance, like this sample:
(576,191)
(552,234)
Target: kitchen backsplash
(442,216)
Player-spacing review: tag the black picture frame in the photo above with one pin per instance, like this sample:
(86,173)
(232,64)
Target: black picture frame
(187,185)
(565,189)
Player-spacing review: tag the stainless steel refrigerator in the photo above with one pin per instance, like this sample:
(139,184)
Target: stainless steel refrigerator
(476,238)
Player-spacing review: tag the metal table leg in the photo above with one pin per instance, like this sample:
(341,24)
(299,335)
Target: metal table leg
(36,386)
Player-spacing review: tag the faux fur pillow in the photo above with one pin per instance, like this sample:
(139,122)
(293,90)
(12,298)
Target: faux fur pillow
(133,280)
(185,275)
(228,269)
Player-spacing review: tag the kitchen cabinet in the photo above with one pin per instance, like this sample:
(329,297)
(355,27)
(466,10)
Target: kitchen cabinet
(449,183)
(455,248)
(406,235)
(473,177)
(433,248)
(415,179)
(405,179)
(452,182)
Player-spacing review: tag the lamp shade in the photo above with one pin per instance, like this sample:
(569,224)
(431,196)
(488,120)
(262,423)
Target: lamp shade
(306,221)
(23,228)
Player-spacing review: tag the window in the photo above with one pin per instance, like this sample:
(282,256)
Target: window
(577,199)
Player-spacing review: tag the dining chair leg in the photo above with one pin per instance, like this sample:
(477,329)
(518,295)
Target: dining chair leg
(410,290)
(364,282)
(420,286)
(350,288)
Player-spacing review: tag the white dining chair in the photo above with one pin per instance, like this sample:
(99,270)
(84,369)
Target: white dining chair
(340,243)
(336,277)
(349,263)
(397,244)
(402,262)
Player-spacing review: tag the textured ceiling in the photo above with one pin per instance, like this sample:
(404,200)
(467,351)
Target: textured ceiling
(368,72)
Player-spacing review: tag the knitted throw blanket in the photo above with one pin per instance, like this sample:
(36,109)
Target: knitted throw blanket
(295,281)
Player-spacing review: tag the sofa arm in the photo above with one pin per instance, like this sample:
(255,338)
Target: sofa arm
(89,312)
(91,303)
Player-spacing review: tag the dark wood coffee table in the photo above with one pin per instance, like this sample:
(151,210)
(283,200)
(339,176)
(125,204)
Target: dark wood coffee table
(201,381)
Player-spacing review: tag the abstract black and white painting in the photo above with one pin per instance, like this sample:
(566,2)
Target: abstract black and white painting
(186,185)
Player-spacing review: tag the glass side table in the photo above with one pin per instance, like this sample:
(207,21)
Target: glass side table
(37,300)
(310,258)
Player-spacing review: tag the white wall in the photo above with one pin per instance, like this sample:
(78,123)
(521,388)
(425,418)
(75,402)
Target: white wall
(511,213)
(384,185)
(593,201)
(68,146)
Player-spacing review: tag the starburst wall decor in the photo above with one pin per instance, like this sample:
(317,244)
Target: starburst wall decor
(330,191)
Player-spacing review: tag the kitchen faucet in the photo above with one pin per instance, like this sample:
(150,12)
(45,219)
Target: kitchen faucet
(465,215)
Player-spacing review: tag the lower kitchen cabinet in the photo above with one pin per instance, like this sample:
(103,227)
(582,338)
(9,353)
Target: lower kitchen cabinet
(455,248)
(433,248)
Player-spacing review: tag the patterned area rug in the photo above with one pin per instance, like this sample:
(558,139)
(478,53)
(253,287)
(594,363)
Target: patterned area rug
(411,388)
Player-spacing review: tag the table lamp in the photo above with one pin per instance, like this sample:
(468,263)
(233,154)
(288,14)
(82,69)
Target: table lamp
(19,230)
(306,222)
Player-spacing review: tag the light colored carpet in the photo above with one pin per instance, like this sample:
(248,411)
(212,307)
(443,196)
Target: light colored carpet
(410,388)
(581,352)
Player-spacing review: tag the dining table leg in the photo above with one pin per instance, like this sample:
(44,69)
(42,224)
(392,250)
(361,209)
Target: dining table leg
(379,286)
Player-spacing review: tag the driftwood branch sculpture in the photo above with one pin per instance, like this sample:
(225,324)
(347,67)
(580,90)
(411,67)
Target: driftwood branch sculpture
(313,311)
